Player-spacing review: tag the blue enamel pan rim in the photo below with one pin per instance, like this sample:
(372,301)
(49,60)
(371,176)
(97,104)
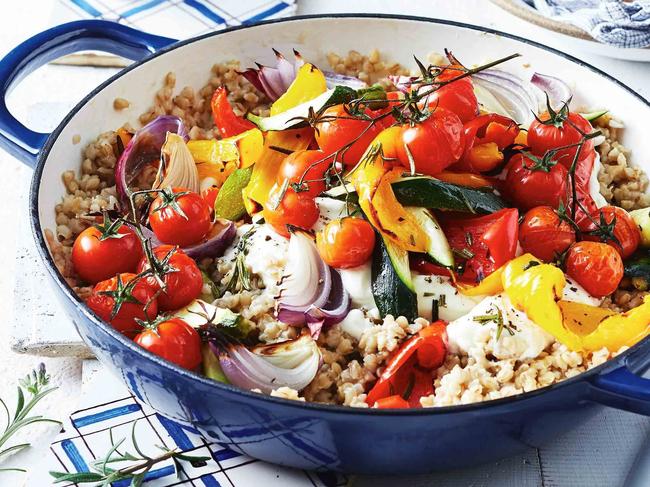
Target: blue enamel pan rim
(45,254)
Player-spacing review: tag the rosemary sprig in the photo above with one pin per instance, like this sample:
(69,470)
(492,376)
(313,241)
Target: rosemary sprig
(102,474)
(496,317)
(36,386)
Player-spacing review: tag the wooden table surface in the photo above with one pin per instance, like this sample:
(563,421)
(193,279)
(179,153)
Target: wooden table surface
(600,453)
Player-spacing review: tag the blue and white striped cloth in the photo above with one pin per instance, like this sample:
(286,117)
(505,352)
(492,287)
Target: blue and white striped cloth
(614,22)
(178,19)
(110,411)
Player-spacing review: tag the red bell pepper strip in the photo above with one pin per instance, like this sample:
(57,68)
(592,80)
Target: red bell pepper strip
(224,117)
(409,372)
(486,137)
(392,402)
(485,242)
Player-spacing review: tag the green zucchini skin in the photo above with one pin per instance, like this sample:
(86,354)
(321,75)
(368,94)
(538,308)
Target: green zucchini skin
(391,295)
(433,193)
(637,268)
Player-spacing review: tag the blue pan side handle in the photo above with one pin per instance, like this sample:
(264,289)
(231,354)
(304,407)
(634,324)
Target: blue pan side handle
(622,389)
(82,35)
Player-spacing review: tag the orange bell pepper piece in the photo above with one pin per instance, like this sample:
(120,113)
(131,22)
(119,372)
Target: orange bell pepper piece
(467,179)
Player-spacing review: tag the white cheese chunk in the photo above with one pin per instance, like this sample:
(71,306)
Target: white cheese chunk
(454,305)
(474,335)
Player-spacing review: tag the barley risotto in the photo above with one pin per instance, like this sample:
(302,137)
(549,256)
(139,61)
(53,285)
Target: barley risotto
(368,235)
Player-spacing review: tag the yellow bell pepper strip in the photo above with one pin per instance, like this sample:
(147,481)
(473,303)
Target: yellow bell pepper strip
(372,180)
(309,83)
(535,288)
(618,330)
(245,148)
(265,169)
(582,319)
(491,285)
(213,151)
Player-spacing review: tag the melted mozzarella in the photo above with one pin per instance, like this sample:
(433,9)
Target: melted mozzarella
(330,209)
(575,292)
(471,337)
(267,256)
(355,323)
(357,282)
(429,288)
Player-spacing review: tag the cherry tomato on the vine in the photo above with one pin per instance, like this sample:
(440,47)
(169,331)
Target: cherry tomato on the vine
(123,299)
(346,242)
(181,276)
(434,143)
(339,128)
(297,209)
(544,235)
(531,183)
(550,132)
(614,226)
(596,266)
(179,217)
(173,340)
(306,169)
(101,251)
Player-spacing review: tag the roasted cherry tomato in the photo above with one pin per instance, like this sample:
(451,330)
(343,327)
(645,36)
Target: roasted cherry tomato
(486,137)
(409,371)
(224,117)
(179,217)
(345,243)
(457,96)
(305,169)
(559,130)
(544,235)
(339,128)
(210,195)
(614,226)
(123,299)
(174,340)
(434,144)
(485,243)
(181,275)
(101,251)
(297,209)
(531,182)
(596,266)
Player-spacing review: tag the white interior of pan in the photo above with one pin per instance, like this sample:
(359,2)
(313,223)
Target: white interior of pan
(397,39)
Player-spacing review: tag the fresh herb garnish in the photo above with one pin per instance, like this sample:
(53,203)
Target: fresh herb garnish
(496,317)
(465,253)
(103,473)
(36,385)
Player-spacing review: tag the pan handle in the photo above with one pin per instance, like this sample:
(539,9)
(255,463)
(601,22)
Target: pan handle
(622,389)
(82,35)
